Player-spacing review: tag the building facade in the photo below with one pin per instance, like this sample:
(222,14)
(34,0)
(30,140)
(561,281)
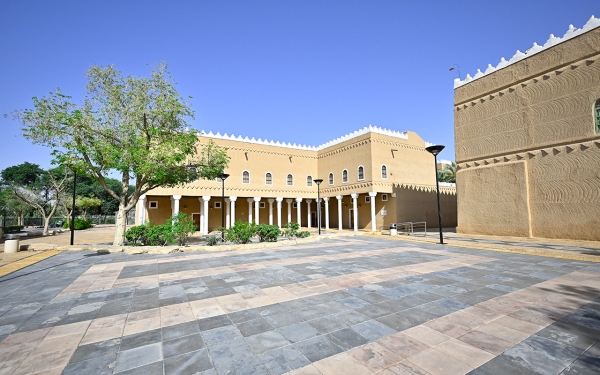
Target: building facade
(527,136)
(371,178)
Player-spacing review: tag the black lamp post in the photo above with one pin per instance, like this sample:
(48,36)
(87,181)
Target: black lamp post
(318,182)
(73,207)
(435,150)
(223,178)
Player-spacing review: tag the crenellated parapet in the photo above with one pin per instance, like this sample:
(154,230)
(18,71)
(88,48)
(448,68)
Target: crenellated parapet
(552,41)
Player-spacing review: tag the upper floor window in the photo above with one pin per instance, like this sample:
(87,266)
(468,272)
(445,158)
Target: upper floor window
(309,181)
(268,179)
(290,180)
(246,177)
(597,116)
(361,173)
(345,176)
(330,178)
(384,172)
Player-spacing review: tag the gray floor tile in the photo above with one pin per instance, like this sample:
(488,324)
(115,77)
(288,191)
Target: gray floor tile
(221,335)
(283,319)
(214,322)
(155,368)
(188,364)
(181,345)
(317,348)
(99,349)
(138,357)
(347,338)
(140,339)
(236,358)
(282,360)
(373,330)
(253,327)
(298,332)
(326,324)
(97,365)
(266,341)
(179,330)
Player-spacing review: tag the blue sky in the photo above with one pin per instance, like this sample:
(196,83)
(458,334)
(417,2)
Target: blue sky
(295,71)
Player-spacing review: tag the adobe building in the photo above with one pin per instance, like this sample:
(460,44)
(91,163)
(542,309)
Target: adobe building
(371,178)
(527,138)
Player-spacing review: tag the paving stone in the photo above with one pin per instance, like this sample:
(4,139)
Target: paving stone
(347,338)
(141,339)
(283,319)
(236,358)
(252,327)
(138,357)
(283,360)
(298,332)
(373,330)
(317,348)
(266,341)
(244,316)
(183,329)
(214,322)
(353,302)
(99,349)
(103,365)
(542,355)
(221,335)
(189,363)
(155,368)
(180,345)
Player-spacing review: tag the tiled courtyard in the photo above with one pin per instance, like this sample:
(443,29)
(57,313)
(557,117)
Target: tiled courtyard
(351,305)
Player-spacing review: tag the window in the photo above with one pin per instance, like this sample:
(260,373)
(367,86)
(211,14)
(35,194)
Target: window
(597,116)
(384,197)
(309,181)
(295,205)
(368,199)
(246,177)
(383,172)
(261,204)
(361,173)
(153,205)
(290,180)
(268,179)
(218,180)
(330,178)
(345,176)
(217,204)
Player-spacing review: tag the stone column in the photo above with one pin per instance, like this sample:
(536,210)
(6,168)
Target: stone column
(176,199)
(172,206)
(279,200)
(142,210)
(339,198)
(271,200)
(289,202)
(299,211)
(205,198)
(232,218)
(201,226)
(355,211)
(308,202)
(250,200)
(256,209)
(326,200)
(373,216)
(227,214)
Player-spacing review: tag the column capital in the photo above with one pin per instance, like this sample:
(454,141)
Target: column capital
(142,197)
(354,196)
(271,200)
(177,197)
(289,200)
(279,199)
(257,199)
(326,199)
(233,199)
(309,201)
(372,194)
(298,200)
(206,198)
(250,200)
(339,197)
(227,200)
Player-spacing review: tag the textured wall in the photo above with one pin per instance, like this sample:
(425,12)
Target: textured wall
(421,205)
(532,124)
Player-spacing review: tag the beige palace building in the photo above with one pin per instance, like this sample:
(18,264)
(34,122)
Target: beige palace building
(527,138)
(371,178)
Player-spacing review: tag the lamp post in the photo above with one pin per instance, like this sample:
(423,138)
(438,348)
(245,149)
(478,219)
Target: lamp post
(452,68)
(223,177)
(435,150)
(73,207)
(318,182)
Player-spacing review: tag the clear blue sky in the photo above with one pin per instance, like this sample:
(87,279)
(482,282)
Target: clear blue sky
(295,71)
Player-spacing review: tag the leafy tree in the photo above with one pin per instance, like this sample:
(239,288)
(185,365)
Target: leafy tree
(133,125)
(37,188)
(448,174)
(13,205)
(85,203)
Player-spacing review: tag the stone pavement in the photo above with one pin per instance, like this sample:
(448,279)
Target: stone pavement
(355,305)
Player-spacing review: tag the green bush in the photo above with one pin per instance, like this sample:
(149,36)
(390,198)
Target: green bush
(159,235)
(212,240)
(240,233)
(267,233)
(291,230)
(182,226)
(80,224)
(303,234)
(12,228)
(137,235)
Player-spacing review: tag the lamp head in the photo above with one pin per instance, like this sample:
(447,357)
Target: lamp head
(435,149)
(318,181)
(223,175)
(452,68)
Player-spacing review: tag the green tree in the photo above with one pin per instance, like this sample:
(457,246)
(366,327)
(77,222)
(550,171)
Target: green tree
(85,203)
(135,126)
(448,174)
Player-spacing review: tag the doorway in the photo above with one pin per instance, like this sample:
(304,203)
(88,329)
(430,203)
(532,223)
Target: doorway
(196,218)
(351,221)
(313,219)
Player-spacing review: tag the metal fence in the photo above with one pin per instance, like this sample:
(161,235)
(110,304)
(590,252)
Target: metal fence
(409,228)
(57,221)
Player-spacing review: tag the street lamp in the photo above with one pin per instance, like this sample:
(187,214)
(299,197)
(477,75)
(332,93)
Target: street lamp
(73,207)
(435,150)
(452,68)
(223,176)
(318,182)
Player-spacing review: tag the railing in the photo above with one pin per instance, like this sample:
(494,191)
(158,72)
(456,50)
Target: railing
(407,228)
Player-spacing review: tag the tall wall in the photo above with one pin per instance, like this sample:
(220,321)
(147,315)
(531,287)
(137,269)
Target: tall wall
(527,149)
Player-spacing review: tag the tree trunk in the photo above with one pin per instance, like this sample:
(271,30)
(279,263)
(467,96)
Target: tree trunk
(121,222)
(46,224)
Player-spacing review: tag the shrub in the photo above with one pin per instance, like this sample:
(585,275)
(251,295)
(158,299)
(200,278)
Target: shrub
(80,224)
(212,240)
(240,233)
(159,235)
(182,226)
(12,228)
(291,230)
(137,235)
(303,234)
(267,233)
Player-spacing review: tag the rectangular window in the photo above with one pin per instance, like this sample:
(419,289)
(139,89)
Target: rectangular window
(153,205)
(261,204)
(368,199)
(295,205)
(597,113)
(217,204)
(384,197)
